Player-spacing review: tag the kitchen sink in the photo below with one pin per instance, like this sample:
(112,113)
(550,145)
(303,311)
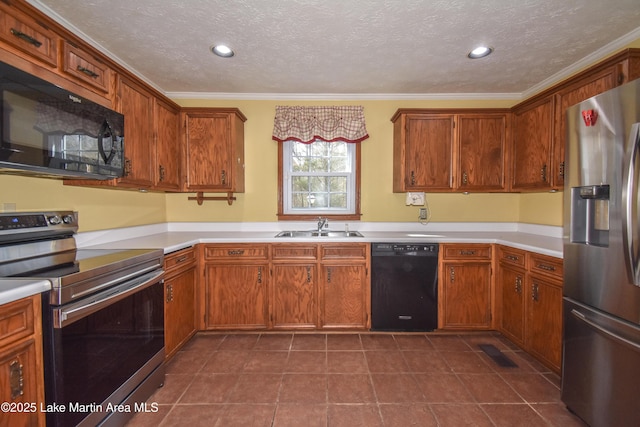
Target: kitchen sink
(316,233)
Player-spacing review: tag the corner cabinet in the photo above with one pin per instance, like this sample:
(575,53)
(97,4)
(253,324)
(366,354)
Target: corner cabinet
(465,286)
(213,156)
(456,150)
(179,308)
(21,356)
(167,162)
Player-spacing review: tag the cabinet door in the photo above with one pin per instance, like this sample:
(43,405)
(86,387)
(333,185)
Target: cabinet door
(344,296)
(236,296)
(467,295)
(544,320)
(179,318)
(428,153)
(167,171)
(482,145)
(137,106)
(294,296)
(208,152)
(19,384)
(532,148)
(511,302)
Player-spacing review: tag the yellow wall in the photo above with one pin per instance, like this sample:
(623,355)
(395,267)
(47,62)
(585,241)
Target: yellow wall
(98,208)
(379,203)
(105,208)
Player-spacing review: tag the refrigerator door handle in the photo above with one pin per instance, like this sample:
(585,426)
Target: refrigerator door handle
(591,323)
(630,212)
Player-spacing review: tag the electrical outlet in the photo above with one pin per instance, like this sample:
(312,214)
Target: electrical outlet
(423,214)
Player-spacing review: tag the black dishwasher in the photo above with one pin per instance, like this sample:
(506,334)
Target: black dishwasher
(404,286)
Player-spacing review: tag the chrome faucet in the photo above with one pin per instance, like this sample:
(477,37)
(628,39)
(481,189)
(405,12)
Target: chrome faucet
(322,223)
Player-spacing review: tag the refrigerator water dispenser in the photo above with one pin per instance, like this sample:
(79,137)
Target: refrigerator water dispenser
(590,215)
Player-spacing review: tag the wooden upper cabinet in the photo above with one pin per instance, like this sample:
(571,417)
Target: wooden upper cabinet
(482,147)
(532,154)
(24,33)
(167,129)
(86,68)
(137,105)
(454,151)
(213,149)
(423,152)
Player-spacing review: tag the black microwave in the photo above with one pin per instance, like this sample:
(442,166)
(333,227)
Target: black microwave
(51,132)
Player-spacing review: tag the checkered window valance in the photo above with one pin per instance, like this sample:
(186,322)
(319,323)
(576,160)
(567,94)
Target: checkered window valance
(310,124)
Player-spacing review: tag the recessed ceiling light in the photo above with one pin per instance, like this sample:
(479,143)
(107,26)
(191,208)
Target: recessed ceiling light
(222,50)
(480,52)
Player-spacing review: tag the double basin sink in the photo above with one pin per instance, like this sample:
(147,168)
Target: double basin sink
(316,233)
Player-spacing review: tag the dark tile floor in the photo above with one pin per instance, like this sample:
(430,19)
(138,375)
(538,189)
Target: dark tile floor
(350,379)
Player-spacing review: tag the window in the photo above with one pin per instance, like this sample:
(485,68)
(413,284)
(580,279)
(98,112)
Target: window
(319,161)
(319,179)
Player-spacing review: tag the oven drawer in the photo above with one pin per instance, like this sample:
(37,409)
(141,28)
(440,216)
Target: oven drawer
(16,320)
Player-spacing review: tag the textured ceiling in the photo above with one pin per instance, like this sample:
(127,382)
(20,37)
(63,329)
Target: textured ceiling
(363,47)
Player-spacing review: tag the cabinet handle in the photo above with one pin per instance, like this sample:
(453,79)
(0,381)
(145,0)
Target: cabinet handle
(223,176)
(465,178)
(328,275)
(518,285)
(468,252)
(308,274)
(182,259)
(87,71)
(236,252)
(413,178)
(512,257)
(16,379)
(259,274)
(546,267)
(26,37)
(543,173)
(561,173)
(452,274)
(161,171)
(127,167)
(169,293)
(534,292)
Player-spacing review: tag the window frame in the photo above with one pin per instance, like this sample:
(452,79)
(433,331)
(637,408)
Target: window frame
(282,216)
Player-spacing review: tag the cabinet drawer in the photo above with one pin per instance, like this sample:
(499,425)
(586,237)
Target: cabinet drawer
(16,320)
(175,261)
(25,34)
(507,255)
(470,251)
(546,265)
(343,251)
(86,68)
(293,251)
(239,251)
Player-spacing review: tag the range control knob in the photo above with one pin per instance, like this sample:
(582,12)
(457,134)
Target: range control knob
(54,220)
(68,219)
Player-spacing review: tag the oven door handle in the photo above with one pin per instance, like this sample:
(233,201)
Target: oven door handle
(64,316)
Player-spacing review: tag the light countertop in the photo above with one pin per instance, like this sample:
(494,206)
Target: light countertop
(15,289)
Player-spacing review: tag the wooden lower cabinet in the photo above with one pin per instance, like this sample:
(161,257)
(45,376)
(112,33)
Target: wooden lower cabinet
(344,296)
(286,286)
(21,359)
(465,291)
(544,320)
(529,301)
(180,302)
(236,296)
(294,296)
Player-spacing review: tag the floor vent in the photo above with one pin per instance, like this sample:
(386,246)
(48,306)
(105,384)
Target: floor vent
(497,356)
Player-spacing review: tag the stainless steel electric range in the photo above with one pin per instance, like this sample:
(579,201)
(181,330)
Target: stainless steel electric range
(103,320)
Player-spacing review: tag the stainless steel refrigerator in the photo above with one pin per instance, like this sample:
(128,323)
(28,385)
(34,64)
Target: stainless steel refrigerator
(601,339)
